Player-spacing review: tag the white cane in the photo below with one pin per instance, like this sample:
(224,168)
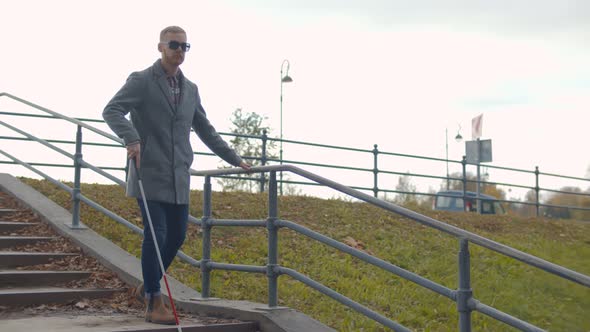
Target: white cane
(149,218)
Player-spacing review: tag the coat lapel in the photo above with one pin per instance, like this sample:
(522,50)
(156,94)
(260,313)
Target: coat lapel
(165,88)
(183,92)
(163,85)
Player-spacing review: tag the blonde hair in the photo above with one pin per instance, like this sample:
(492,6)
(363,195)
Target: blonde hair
(172,29)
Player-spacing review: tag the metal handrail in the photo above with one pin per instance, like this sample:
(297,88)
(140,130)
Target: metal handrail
(427,221)
(462,296)
(63,117)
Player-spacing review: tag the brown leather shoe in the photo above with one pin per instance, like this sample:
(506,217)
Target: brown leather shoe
(158,313)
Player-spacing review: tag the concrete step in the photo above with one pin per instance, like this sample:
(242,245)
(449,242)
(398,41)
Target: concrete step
(228,327)
(19,278)
(79,322)
(16,297)
(12,226)
(12,241)
(4,212)
(10,259)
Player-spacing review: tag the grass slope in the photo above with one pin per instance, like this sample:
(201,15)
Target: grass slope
(508,285)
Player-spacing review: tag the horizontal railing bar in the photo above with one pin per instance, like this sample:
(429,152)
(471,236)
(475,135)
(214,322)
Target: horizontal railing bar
(239,178)
(61,141)
(565,176)
(90,120)
(110,214)
(363,188)
(51,146)
(509,169)
(419,157)
(62,165)
(503,317)
(321,165)
(103,173)
(515,202)
(63,117)
(194,220)
(237,267)
(411,193)
(197,153)
(343,299)
(242,135)
(495,200)
(544,205)
(30,115)
(188,259)
(230,222)
(369,259)
(419,175)
(48,116)
(209,154)
(504,184)
(33,169)
(564,207)
(320,145)
(564,192)
(319,185)
(433,223)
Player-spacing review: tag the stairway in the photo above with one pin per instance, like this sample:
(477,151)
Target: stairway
(21,284)
(48,284)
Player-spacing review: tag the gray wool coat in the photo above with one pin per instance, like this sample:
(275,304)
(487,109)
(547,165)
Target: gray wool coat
(163,130)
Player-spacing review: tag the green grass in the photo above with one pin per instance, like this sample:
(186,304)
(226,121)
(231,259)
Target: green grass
(504,283)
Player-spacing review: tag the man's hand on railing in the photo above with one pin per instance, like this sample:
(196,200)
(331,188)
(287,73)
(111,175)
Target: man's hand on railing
(133,151)
(245,166)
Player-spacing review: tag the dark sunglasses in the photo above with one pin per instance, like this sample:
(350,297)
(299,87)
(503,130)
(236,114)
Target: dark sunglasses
(174,45)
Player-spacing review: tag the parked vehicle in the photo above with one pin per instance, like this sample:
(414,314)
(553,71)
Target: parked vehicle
(452,200)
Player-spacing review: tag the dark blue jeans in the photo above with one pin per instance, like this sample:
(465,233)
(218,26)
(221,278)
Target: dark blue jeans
(170,222)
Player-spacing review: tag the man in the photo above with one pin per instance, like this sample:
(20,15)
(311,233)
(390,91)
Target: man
(164,105)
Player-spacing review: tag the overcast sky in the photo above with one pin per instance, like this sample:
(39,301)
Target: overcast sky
(393,73)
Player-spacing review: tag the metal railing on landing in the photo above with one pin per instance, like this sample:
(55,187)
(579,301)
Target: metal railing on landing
(462,295)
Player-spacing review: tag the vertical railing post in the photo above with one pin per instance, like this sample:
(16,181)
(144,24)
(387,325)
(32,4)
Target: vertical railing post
(263,160)
(464,293)
(375,171)
(464,180)
(537,189)
(76,190)
(273,254)
(206,227)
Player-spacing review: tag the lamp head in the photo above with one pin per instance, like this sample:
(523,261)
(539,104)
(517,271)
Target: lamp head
(286,78)
(458,138)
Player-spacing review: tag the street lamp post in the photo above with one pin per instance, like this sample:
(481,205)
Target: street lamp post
(458,138)
(284,79)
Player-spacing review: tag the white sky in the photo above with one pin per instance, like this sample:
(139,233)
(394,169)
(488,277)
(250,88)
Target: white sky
(389,72)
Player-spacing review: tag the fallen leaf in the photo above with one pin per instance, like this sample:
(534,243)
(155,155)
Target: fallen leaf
(82,305)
